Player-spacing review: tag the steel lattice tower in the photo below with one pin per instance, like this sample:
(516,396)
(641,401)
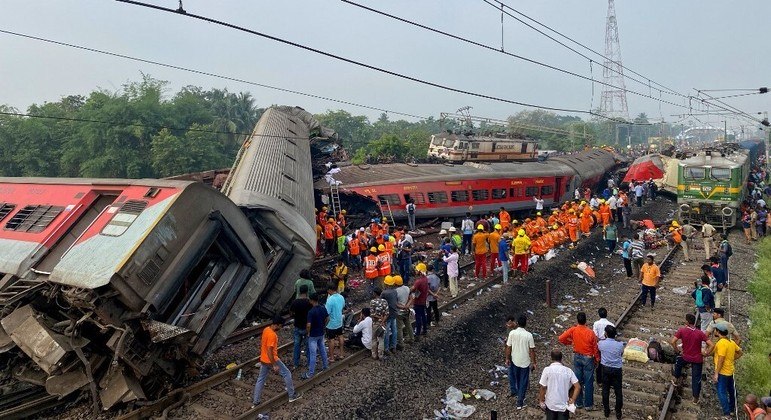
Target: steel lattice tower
(613,102)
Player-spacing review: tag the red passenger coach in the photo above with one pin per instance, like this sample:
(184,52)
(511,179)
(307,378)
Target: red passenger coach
(446,190)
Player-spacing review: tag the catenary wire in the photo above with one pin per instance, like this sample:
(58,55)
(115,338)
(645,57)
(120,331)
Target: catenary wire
(206,73)
(666,89)
(501,51)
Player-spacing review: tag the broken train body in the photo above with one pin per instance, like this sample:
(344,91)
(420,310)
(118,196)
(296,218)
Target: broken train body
(118,286)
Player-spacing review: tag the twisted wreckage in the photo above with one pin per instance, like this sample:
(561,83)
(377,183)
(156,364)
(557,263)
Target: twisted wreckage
(116,287)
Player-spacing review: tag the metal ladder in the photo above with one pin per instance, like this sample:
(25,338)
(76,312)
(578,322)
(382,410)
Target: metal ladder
(334,198)
(385,208)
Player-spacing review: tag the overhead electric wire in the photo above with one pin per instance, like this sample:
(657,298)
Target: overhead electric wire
(501,51)
(738,95)
(666,89)
(210,74)
(352,61)
(730,107)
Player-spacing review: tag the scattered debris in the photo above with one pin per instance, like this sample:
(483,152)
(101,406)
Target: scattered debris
(484,393)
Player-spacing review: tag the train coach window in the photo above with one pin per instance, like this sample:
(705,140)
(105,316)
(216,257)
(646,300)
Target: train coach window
(720,174)
(437,197)
(499,193)
(124,217)
(418,197)
(33,219)
(480,195)
(392,199)
(459,196)
(531,191)
(475,145)
(547,190)
(5,209)
(692,172)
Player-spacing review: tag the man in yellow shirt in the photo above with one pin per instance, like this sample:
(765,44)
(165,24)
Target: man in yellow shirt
(521,251)
(340,275)
(726,352)
(479,241)
(649,280)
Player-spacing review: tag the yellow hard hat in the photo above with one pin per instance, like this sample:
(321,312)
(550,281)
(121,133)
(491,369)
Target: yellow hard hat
(480,227)
(583,203)
(554,211)
(521,232)
(421,267)
(602,200)
(675,224)
(381,247)
(671,229)
(514,222)
(498,227)
(373,249)
(385,219)
(571,211)
(388,281)
(398,280)
(538,214)
(555,227)
(343,211)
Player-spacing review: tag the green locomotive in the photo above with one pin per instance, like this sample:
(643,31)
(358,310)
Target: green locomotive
(711,185)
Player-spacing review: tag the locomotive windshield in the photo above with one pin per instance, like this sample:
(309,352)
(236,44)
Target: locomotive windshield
(694,172)
(720,174)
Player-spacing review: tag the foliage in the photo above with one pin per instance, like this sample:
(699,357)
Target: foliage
(754,369)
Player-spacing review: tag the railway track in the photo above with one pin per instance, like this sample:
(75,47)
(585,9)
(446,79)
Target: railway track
(648,391)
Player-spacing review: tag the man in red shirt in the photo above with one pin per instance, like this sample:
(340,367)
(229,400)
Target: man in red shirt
(269,361)
(419,296)
(585,358)
(691,353)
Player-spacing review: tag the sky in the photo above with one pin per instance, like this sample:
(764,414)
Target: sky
(684,45)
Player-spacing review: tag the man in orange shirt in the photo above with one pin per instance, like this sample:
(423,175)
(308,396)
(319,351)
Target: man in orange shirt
(649,280)
(479,240)
(585,358)
(492,241)
(505,219)
(269,361)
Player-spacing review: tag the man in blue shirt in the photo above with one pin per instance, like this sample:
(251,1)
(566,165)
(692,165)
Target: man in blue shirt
(611,352)
(503,256)
(317,317)
(705,301)
(625,245)
(335,304)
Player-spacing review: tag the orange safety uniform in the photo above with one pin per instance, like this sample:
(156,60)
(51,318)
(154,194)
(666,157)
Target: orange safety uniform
(384,258)
(341,219)
(329,230)
(389,246)
(374,229)
(540,222)
(384,228)
(586,220)
(493,239)
(338,231)
(573,228)
(354,247)
(605,214)
(322,217)
(370,266)
(505,219)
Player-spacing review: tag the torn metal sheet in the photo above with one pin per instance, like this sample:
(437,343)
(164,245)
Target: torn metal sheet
(119,387)
(160,331)
(66,383)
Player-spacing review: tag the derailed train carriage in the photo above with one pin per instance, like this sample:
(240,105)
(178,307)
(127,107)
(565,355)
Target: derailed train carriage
(117,286)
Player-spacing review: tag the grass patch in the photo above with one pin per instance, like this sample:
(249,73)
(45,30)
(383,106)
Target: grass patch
(754,368)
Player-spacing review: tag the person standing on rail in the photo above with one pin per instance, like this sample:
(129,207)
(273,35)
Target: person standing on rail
(691,354)
(650,275)
(585,358)
(559,390)
(269,360)
(720,280)
(492,242)
(521,246)
(335,304)
(725,354)
(481,251)
(718,318)
(299,310)
(520,358)
(453,270)
(410,208)
(317,318)
(611,356)
(708,232)
(467,227)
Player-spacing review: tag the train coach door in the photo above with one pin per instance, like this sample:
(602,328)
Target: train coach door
(558,189)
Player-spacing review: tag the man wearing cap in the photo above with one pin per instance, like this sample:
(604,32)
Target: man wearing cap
(521,251)
(404,332)
(492,242)
(480,251)
(725,354)
(384,261)
(718,318)
(390,296)
(455,238)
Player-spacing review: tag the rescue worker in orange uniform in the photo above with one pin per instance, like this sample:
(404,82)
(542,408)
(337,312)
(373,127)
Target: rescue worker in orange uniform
(505,219)
(371,272)
(341,218)
(384,226)
(329,236)
(384,261)
(573,227)
(540,222)
(604,211)
(586,219)
(553,218)
(493,239)
(354,251)
(479,242)
(323,215)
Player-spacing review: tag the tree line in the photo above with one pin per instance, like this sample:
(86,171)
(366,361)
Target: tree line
(143,131)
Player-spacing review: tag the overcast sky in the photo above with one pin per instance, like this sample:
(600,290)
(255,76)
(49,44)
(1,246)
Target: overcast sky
(705,44)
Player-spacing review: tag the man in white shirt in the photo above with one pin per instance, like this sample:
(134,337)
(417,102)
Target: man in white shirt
(538,203)
(559,388)
(708,231)
(638,194)
(600,324)
(520,358)
(362,332)
(613,204)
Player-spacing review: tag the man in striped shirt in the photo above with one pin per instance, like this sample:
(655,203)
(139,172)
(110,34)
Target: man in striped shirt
(637,254)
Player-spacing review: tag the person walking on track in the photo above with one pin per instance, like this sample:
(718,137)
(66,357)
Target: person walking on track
(269,361)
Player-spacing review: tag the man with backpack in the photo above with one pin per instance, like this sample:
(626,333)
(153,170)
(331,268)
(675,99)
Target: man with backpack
(411,214)
(705,301)
(724,252)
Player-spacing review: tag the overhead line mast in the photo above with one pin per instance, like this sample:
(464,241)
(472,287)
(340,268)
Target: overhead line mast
(613,101)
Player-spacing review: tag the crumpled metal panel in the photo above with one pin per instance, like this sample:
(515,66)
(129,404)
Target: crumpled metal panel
(66,383)
(160,331)
(46,348)
(118,387)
